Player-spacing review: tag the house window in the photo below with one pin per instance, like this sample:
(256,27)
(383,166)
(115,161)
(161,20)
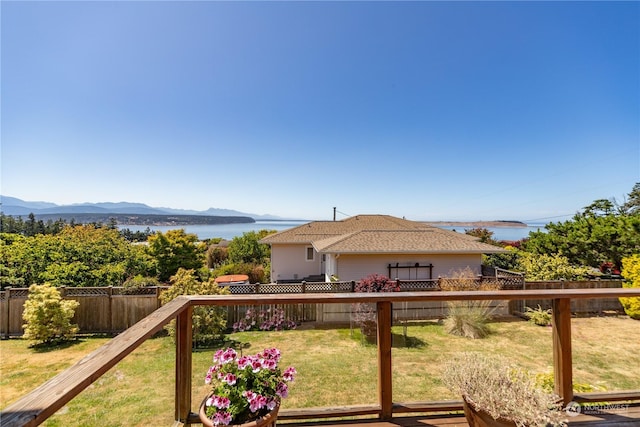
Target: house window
(310,253)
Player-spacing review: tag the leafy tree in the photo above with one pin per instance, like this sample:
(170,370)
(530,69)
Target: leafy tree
(248,249)
(484,234)
(506,261)
(216,255)
(600,233)
(83,255)
(173,250)
(632,205)
(208,322)
(48,316)
(631,273)
(548,267)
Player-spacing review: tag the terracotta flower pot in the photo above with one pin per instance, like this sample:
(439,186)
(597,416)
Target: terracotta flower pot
(269,420)
(477,418)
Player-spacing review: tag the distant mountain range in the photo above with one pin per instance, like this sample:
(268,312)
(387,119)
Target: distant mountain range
(17,207)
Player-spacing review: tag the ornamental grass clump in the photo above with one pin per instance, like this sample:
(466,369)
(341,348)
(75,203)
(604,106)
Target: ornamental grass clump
(245,388)
(468,318)
(504,391)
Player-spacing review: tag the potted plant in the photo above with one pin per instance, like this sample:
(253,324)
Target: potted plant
(245,389)
(495,392)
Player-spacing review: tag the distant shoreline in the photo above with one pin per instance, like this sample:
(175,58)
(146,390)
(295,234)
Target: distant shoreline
(476,224)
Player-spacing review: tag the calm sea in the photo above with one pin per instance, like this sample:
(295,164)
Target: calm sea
(229,231)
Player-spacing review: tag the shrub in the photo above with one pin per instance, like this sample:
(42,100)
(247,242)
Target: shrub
(365,313)
(468,318)
(538,316)
(257,273)
(48,316)
(264,320)
(549,267)
(501,389)
(208,323)
(546,382)
(631,273)
(133,285)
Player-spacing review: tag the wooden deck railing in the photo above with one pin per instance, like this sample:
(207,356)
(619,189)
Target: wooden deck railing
(44,401)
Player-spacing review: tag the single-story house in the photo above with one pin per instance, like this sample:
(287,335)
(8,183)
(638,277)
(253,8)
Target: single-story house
(355,247)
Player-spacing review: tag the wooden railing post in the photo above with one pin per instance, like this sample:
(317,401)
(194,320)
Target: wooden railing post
(562,357)
(385,397)
(184,341)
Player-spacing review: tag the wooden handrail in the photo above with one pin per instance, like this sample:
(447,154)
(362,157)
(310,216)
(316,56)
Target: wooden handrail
(350,298)
(35,407)
(44,401)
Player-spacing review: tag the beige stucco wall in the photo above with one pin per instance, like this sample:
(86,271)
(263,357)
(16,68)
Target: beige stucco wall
(355,267)
(289,262)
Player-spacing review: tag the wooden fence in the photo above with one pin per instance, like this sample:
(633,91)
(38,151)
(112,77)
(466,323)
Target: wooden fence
(109,310)
(579,306)
(35,407)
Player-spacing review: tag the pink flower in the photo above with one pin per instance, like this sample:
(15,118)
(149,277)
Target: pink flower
(249,395)
(282,390)
(220,402)
(289,373)
(271,404)
(228,355)
(230,379)
(269,364)
(257,403)
(256,365)
(223,418)
(243,362)
(217,355)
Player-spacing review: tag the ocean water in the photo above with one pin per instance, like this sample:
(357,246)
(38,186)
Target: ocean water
(229,231)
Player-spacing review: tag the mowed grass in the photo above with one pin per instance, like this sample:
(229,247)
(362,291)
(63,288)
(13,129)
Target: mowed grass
(335,367)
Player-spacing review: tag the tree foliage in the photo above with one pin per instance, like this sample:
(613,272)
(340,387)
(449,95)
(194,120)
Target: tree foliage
(83,255)
(208,322)
(602,232)
(484,234)
(631,273)
(248,249)
(548,267)
(48,316)
(173,250)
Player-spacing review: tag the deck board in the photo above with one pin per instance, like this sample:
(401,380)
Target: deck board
(623,416)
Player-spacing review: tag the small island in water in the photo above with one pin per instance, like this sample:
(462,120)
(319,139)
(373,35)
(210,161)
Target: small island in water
(147,219)
(477,224)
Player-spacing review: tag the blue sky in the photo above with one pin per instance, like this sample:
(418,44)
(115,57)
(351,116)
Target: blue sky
(428,110)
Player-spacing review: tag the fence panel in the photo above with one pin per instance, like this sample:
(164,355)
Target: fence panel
(578,306)
(113,310)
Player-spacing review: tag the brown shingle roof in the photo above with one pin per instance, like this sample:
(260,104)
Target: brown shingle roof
(379,234)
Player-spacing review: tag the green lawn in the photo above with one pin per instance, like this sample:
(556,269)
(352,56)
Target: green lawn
(334,367)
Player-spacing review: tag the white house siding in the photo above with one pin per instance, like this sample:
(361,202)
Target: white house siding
(291,262)
(355,267)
